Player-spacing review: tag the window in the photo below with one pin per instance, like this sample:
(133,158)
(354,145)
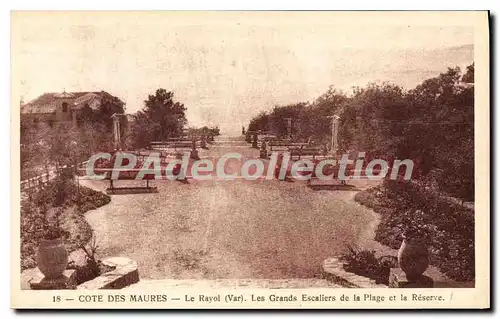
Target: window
(65,107)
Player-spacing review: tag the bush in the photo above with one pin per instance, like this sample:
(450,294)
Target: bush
(85,207)
(450,226)
(91,198)
(54,232)
(37,222)
(365,263)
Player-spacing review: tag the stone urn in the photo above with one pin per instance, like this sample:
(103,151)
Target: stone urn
(413,257)
(254,141)
(52,258)
(263,150)
(194,155)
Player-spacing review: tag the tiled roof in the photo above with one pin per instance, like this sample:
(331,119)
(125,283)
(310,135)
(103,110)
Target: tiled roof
(48,102)
(86,99)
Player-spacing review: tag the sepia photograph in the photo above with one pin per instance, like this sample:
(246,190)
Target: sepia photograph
(272,159)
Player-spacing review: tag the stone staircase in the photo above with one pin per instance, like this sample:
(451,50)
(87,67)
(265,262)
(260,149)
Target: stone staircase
(162,284)
(229,140)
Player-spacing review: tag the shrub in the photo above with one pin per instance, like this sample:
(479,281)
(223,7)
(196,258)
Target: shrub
(54,232)
(85,207)
(365,263)
(93,199)
(37,223)
(405,206)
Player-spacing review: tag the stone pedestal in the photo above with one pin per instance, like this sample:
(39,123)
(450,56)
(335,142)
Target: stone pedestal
(66,281)
(194,155)
(263,150)
(263,154)
(124,274)
(254,141)
(397,279)
(117,130)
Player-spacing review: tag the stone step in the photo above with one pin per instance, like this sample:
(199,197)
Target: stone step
(229,142)
(228,147)
(161,284)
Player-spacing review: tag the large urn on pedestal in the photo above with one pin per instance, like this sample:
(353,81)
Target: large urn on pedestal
(413,257)
(52,258)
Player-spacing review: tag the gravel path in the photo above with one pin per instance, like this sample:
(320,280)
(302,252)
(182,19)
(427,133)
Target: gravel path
(230,229)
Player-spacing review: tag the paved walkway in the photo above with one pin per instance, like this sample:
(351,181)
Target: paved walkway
(230,229)
(161,285)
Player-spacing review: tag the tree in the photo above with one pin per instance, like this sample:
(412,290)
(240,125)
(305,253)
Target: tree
(432,124)
(278,119)
(48,144)
(259,122)
(316,122)
(161,118)
(308,119)
(370,120)
(109,105)
(469,75)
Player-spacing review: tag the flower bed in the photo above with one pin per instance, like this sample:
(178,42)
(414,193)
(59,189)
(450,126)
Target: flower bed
(86,273)
(335,270)
(450,225)
(365,263)
(62,203)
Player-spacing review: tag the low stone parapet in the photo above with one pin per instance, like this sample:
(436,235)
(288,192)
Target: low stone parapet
(333,270)
(66,281)
(123,275)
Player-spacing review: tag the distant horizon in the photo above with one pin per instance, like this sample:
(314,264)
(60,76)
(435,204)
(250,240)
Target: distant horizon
(348,91)
(225,71)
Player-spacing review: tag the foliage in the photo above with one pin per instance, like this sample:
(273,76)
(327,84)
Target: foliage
(161,118)
(409,207)
(214,130)
(366,263)
(369,120)
(90,253)
(413,226)
(431,124)
(40,217)
(54,232)
(309,120)
(469,75)
(109,106)
(259,123)
(45,146)
(203,131)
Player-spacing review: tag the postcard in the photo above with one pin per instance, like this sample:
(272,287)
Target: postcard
(250,160)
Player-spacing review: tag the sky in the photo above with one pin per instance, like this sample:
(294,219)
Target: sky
(227,67)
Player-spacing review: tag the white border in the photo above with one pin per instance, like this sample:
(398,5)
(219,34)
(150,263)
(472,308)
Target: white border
(185,5)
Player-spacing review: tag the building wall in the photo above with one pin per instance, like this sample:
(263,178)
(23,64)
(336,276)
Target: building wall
(64,113)
(64,110)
